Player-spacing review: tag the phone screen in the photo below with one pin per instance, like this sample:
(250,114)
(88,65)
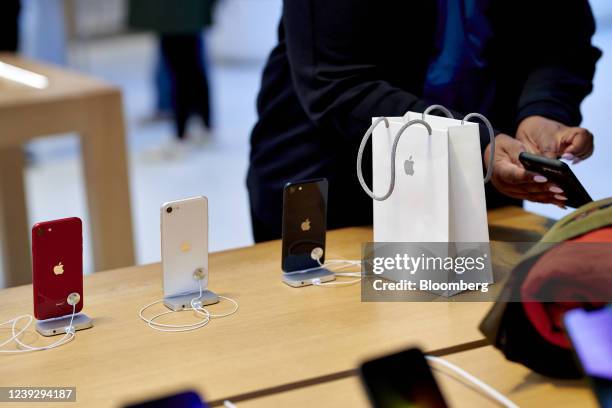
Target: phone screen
(402,380)
(304,223)
(591,336)
(187,399)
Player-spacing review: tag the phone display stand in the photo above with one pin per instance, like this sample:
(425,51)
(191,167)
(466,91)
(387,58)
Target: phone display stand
(181,302)
(57,325)
(297,280)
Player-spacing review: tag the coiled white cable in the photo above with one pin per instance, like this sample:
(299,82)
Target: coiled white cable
(163,327)
(196,306)
(486,388)
(70,332)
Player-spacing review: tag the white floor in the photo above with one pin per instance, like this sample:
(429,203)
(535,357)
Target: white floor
(54,181)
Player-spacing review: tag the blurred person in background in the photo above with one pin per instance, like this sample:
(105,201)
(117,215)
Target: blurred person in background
(163,90)
(180,27)
(526,65)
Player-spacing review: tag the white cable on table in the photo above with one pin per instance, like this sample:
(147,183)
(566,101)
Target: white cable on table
(486,388)
(196,306)
(346,263)
(317,254)
(69,335)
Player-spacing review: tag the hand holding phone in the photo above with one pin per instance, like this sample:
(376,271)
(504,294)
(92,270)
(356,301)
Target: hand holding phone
(560,174)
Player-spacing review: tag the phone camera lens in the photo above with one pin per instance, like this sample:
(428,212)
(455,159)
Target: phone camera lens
(169,210)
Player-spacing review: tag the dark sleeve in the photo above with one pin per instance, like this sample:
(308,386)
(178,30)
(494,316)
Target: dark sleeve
(332,50)
(562,60)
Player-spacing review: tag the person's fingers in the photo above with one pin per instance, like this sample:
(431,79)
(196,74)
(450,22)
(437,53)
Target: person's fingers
(549,147)
(510,149)
(547,198)
(531,147)
(512,179)
(551,154)
(511,173)
(545,188)
(544,146)
(577,143)
(533,192)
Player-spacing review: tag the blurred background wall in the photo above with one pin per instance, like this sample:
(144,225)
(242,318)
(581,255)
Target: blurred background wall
(91,36)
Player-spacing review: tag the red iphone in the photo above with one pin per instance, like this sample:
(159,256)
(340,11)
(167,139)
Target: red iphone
(57,266)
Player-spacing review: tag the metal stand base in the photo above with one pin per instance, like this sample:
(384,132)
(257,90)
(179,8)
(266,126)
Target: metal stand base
(57,326)
(298,280)
(181,302)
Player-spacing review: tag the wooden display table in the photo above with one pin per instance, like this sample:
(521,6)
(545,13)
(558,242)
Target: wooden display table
(281,338)
(523,387)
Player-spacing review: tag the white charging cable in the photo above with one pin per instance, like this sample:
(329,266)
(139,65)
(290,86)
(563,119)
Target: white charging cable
(343,264)
(486,388)
(316,254)
(176,327)
(73,299)
(196,306)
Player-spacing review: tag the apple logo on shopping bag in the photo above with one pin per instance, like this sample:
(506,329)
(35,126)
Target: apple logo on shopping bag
(409,166)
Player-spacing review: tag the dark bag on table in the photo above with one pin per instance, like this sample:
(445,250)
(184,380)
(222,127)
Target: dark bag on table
(515,329)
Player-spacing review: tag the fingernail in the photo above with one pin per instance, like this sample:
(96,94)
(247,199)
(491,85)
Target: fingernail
(567,156)
(555,189)
(540,179)
(560,197)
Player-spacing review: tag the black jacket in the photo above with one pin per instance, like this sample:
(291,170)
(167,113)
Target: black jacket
(339,63)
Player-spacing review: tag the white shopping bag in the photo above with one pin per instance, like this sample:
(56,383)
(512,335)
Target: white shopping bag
(435,191)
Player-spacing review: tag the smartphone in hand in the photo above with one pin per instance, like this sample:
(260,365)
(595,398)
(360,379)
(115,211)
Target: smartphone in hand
(559,173)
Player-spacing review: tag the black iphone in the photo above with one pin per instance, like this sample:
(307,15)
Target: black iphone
(304,224)
(401,380)
(559,173)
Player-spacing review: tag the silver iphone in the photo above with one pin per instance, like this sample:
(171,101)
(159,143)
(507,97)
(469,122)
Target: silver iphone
(184,248)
